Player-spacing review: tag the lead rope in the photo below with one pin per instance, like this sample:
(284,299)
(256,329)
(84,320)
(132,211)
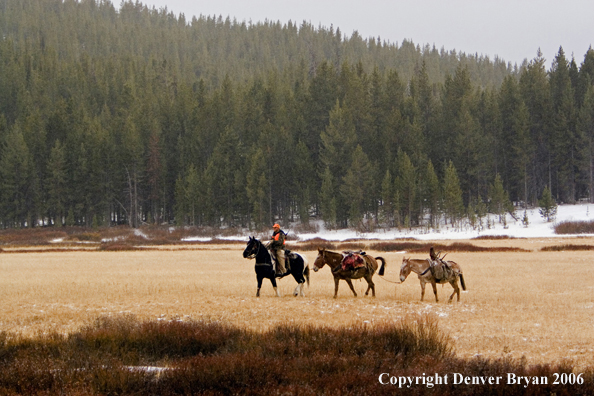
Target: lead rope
(387,280)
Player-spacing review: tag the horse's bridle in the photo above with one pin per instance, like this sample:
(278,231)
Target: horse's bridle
(255,255)
(323,256)
(252,256)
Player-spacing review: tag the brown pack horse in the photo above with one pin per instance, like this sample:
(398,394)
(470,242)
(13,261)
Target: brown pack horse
(421,268)
(334,261)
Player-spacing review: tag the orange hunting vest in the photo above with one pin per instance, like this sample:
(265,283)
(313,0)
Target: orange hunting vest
(278,236)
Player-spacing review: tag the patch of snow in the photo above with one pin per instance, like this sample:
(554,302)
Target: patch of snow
(196,239)
(147,369)
(139,233)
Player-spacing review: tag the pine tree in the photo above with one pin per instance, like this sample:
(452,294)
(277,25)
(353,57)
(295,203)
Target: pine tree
(180,207)
(564,137)
(481,211)
(407,187)
(328,199)
(431,194)
(585,127)
(193,195)
(387,196)
(499,199)
(356,186)
(321,100)
(57,188)
(155,176)
(452,194)
(303,181)
(535,91)
(257,186)
(338,143)
(547,205)
(16,172)
(522,147)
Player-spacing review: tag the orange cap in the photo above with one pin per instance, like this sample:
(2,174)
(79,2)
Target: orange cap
(276,225)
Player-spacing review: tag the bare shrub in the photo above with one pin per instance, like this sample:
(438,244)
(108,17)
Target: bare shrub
(86,237)
(315,243)
(575,227)
(208,357)
(494,237)
(31,236)
(116,247)
(310,228)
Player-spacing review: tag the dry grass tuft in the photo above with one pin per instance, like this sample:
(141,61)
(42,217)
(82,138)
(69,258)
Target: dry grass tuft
(566,247)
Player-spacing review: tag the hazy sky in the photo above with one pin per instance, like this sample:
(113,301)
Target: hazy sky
(510,29)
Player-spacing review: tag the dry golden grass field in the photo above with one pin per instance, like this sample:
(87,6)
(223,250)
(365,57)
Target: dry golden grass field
(534,304)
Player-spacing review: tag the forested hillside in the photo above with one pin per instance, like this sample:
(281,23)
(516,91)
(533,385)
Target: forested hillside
(135,115)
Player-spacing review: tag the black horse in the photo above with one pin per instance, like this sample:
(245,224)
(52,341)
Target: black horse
(265,269)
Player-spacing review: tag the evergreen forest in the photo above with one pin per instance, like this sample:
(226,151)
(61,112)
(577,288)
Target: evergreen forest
(132,115)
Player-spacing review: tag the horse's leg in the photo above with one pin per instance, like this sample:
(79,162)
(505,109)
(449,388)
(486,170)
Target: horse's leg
(454,284)
(259,277)
(351,286)
(370,285)
(422,290)
(298,276)
(273,281)
(336,280)
(434,286)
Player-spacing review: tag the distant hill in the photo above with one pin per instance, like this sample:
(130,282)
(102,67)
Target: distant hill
(211,48)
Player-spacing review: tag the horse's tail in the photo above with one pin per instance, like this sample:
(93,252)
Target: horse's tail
(462,281)
(383,267)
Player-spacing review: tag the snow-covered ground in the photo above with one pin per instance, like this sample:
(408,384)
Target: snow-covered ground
(537,228)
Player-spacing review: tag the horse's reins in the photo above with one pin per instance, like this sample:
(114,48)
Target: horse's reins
(254,255)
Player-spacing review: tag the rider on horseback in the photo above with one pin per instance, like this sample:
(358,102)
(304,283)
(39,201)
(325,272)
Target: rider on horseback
(277,250)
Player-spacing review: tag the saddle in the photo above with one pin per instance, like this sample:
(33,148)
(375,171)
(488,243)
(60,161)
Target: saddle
(289,255)
(352,260)
(440,270)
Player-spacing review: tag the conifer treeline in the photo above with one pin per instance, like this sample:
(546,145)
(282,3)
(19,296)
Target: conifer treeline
(136,115)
